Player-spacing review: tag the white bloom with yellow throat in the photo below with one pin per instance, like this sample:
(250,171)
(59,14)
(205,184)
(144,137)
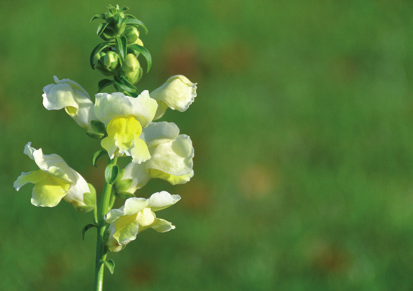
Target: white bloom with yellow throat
(125,117)
(171,157)
(135,216)
(73,98)
(55,181)
(177,93)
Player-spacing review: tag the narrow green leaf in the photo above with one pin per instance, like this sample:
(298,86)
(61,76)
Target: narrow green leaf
(146,54)
(96,156)
(86,228)
(140,74)
(122,46)
(101,28)
(137,22)
(110,264)
(111,172)
(124,83)
(122,88)
(103,84)
(95,135)
(98,16)
(130,16)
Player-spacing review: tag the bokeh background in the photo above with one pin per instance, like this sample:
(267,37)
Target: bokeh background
(302,131)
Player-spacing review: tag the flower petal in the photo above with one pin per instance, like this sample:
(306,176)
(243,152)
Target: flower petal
(138,174)
(52,164)
(140,152)
(77,195)
(178,93)
(173,157)
(55,180)
(146,217)
(161,225)
(47,191)
(134,205)
(126,229)
(162,200)
(159,131)
(109,106)
(71,96)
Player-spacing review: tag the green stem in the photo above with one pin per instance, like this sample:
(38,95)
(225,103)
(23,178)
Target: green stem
(101,250)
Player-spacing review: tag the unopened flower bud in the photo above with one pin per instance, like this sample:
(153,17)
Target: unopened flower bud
(106,62)
(131,68)
(116,27)
(132,34)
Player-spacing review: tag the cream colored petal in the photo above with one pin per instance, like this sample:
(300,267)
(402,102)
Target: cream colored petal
(140,152)
(84,114)
(47,191)
(114,214)
(109,144)
(162,200)
(161,225)
(23,179)
(131,206)
(178,93)
(109,106)
(52,164)
(112,244)
(146,217)
(126,230)
(157,132)
(138,174)
(134,205)
(173,157)
(71,96)
(173,179)
(53,181)
(76,194)
(56,97)
(74,85)
(160,111)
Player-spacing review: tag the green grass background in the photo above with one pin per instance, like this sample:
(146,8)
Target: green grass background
(302,131)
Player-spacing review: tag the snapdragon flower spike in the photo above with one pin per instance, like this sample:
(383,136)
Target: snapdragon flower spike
(135,216)
(171,157)
(177,93)
(73,98)
(125,117)
(55,181)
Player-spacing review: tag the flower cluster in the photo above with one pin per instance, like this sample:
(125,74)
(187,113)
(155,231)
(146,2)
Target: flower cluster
(127,128)
(117,56)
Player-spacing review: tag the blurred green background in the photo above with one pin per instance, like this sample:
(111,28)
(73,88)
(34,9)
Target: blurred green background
(302,131)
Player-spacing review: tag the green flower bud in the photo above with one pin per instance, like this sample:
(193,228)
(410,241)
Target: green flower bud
(115,28)
(131,68)
(132,34)
(107,62)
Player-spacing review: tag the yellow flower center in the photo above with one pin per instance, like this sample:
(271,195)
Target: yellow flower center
(124,130)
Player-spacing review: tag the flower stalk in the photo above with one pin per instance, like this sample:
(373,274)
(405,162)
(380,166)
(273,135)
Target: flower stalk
(124,122)
(101,249)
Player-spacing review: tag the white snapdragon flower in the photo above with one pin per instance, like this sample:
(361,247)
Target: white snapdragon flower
(73,98)
(171,157)
(176,93)
(55,181)
(136,215)
(124,118)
